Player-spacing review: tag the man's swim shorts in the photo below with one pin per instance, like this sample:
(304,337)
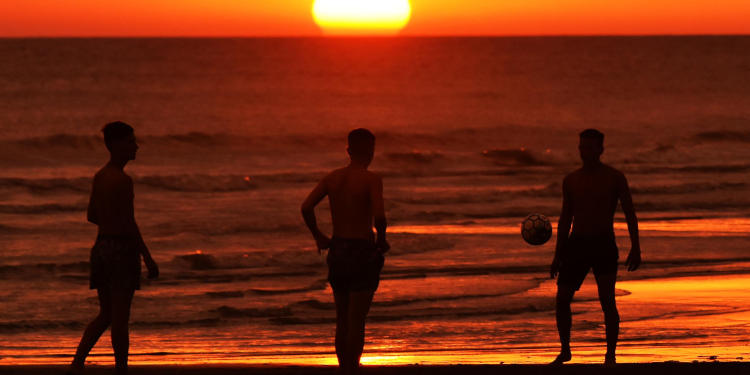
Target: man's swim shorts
(583,253)
(115,263)
(354,265)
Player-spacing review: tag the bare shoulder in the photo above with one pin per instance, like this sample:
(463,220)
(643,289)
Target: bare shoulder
(611,169)
(614,172)
(373,177)
(334,175)
(103,177)
(331,180)
(112,178)
(572,176)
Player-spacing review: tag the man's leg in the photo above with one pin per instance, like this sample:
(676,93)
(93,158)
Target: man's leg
(606,286)
(342,324)
(121,300)
(359,306)
(95,329)
(564,321)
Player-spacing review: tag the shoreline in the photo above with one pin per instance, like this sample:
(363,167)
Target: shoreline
(656,368)
(683,337)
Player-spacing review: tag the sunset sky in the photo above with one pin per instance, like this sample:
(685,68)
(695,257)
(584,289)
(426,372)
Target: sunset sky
(429,17)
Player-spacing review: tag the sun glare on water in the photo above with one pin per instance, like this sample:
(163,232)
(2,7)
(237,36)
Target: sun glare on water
(361,17)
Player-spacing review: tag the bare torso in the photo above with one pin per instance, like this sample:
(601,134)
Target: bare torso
(593,195)
(111,202)
(350,192)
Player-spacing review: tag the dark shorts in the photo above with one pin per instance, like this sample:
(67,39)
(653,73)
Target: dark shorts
(584,253)
(354,265)
(115,263)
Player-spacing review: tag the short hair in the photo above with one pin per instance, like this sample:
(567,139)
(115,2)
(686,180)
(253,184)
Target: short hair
(593,134)
(115,131)
(360,140)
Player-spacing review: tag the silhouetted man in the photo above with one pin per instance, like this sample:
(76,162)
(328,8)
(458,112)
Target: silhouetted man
(355,257)
(590,196)
(116,255)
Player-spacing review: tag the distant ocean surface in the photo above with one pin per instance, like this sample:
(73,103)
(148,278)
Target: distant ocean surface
(472,134)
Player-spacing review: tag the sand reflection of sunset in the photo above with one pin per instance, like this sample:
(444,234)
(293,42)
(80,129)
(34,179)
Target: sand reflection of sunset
(693,227)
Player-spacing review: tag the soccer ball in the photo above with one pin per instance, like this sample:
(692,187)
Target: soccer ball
(536,229)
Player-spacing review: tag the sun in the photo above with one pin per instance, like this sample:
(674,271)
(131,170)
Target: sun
(361,17)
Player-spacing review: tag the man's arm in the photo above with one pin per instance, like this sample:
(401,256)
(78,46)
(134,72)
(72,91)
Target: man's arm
(153,268)
(626,201)
(91,211)
(378,212)
(563,228)
(308,213)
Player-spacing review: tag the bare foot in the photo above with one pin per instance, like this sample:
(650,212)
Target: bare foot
(563,357)
(610,360)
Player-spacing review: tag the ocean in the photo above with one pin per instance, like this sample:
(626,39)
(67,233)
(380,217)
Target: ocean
(473,134)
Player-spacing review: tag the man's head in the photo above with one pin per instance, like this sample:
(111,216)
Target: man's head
(120,140)
(591,145)
(361,145)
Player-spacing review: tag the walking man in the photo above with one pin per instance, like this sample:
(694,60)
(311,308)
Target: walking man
(116,255)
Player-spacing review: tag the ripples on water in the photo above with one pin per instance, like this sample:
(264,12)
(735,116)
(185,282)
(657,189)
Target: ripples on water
(473,135)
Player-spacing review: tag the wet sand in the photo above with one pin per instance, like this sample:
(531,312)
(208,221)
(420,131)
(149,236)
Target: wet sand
(703,318)
(640,369)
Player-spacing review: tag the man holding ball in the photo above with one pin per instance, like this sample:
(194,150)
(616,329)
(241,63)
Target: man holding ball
(590,196)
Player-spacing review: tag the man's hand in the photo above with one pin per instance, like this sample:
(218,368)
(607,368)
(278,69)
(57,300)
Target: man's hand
(323,242)
(634,259)
(554,268)
(382,246)
(153,269)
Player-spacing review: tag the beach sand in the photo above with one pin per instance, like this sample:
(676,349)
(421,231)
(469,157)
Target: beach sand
(640,369)
(696,318)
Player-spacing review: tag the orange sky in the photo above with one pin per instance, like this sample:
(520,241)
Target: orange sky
(430,17)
